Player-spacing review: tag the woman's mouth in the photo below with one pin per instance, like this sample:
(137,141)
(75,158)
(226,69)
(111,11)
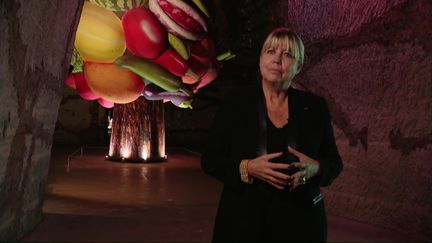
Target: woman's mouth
(274,70)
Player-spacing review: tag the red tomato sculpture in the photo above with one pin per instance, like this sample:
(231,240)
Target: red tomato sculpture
(145,35)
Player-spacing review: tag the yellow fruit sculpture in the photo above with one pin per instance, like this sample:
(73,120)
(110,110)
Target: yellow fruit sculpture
(100,36)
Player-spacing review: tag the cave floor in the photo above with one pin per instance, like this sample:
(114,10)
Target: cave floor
(90,199)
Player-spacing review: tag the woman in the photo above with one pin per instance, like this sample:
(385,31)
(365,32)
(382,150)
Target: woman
(273,147)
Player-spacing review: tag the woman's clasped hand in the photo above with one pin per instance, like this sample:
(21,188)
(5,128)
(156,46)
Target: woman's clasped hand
(271,172)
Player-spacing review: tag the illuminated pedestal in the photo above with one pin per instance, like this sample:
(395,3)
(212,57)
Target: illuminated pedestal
(138,132)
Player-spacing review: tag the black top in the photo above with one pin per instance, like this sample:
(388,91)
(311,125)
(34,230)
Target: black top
(278,139)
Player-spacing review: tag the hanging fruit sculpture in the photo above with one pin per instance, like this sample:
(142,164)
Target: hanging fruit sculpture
(159,49)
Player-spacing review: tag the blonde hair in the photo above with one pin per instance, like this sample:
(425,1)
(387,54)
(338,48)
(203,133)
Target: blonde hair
(288,40)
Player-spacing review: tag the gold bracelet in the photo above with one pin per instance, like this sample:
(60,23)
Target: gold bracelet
(244,172)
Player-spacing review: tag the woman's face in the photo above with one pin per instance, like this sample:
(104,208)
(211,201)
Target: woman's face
(278,66)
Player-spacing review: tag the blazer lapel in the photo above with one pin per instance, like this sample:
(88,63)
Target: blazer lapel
(296,114)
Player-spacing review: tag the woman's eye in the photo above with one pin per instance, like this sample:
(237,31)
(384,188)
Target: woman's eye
(288,55)
(270,51)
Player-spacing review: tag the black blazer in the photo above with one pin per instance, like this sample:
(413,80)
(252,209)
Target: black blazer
(236,135)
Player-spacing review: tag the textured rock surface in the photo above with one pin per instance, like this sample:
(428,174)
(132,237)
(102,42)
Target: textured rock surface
(35,47)
(372,61)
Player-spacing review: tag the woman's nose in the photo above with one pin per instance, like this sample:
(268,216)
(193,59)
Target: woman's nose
(278,58)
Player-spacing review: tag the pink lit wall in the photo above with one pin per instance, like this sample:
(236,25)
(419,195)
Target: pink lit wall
(372,61)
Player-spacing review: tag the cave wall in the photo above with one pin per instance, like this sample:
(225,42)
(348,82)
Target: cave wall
(372,61)
(35,47)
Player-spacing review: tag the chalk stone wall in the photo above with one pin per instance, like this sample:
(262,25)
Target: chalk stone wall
(35,49)
(372,61)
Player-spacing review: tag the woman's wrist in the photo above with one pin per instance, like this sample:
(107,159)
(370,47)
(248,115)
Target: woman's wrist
(244,174)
